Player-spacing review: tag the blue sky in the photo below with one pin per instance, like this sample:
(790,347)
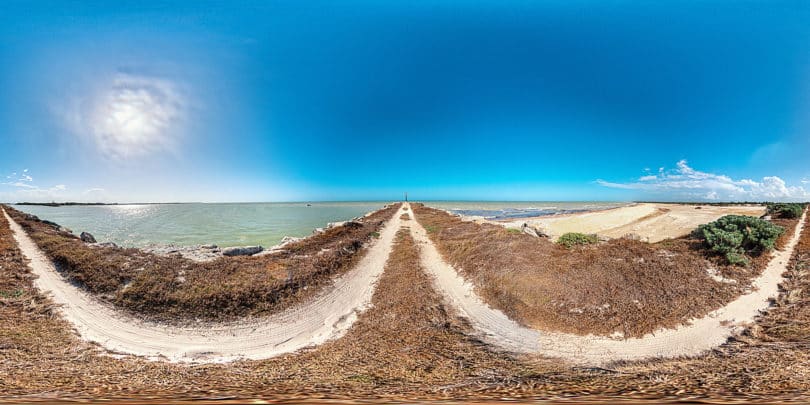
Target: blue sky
(481,100)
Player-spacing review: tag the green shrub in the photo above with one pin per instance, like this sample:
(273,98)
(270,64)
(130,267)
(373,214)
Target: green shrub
(785,210)
(737,235)
(575,238)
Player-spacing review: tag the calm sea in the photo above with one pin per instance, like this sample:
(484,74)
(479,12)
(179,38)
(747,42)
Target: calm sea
(251,223)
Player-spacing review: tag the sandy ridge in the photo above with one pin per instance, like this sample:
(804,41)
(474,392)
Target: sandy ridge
(327,316)
(698,336)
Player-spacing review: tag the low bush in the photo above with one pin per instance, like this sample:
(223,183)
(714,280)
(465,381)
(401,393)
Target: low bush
(571,239)
(736,236)
(786,210)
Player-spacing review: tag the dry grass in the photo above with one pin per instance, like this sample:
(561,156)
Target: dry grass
(177,289)
(623,285)
(407,346)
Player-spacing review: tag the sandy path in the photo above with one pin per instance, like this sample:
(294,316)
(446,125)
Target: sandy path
(697,337)
(327,316)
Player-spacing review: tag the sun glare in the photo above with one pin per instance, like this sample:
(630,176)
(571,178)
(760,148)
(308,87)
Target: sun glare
(136,116)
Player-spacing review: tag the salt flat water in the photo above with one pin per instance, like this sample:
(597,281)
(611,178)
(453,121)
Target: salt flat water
(236,224)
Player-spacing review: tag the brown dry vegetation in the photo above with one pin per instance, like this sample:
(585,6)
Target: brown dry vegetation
(407,346)
(176,289)
(623,285)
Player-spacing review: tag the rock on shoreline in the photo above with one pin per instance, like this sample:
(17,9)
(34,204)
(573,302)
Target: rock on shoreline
(242,250)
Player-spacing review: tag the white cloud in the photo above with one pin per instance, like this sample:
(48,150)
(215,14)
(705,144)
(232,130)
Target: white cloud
(21,180)
(684,182)
(130,116)
(23,189)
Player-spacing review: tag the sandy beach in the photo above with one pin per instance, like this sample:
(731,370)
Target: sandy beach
(651,222)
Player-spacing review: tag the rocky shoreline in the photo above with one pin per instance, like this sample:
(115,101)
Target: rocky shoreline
(205,252)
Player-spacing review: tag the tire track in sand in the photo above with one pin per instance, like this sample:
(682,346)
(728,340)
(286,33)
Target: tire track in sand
(691,339)
(326,316)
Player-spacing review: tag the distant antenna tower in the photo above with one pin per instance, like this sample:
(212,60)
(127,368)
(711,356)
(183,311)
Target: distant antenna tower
(406,196)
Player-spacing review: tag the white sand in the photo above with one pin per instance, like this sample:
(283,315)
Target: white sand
(327,316)
(697,337)
(650,222)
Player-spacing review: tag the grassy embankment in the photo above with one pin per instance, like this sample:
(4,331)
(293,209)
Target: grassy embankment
(178,289)
(622,285)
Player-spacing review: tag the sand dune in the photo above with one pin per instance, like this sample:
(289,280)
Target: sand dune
(650,222)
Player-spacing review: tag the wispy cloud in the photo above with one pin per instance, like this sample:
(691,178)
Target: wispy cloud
(23,188)
(688,183)
(21,180)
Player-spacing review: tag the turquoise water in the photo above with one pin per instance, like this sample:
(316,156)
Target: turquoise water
(191,224)
(252,223)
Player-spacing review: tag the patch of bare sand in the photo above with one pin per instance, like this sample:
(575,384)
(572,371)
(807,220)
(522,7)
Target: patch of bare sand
(650,222)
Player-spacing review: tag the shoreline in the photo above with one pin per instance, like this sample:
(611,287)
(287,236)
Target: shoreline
(649,222)
(270,232)
(555,214)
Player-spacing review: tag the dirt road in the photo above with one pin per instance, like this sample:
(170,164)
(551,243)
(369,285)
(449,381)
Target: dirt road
(697,337)
(327,316)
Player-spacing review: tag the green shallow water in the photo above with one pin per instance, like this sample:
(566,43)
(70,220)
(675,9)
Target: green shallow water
(253,223)
(191,224)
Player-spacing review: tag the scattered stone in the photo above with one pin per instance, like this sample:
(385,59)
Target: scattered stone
(318,230)
(335,224)
(242,250)
(528,230)
(289,239)
(87,237)
(197,253)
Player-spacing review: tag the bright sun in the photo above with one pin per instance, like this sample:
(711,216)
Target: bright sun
(136,116)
